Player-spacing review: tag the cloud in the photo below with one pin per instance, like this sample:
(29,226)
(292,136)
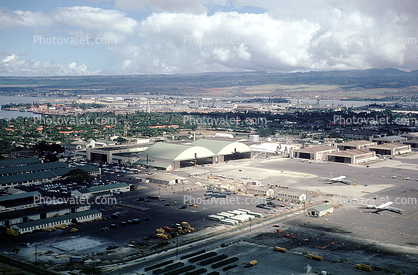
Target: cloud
(181,6)
(11,65)
(22,18)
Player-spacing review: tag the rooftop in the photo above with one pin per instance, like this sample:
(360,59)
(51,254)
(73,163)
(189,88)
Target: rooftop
(33,167)
(350,153)
(19,196)
(19,161)
(389,146)
(104,187)
(321,207)
(58,219)
(318,148)
(357,142)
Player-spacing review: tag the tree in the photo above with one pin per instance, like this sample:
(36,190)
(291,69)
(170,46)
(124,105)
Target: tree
(76,175)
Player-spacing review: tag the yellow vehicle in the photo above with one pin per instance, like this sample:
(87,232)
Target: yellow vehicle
(74,230)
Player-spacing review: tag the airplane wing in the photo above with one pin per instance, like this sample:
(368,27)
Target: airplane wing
(389,208)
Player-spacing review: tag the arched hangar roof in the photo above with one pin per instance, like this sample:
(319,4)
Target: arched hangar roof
(222,147)
(176,152)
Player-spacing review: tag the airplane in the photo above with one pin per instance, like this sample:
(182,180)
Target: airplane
(341,179)
(385,206)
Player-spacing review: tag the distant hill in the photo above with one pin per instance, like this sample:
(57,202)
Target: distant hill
(184,84)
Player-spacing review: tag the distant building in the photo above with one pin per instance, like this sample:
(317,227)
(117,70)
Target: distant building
(260,190)
(355,144)
(388,139)
(410,136)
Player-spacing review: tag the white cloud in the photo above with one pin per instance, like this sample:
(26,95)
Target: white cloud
(11,65)
(22,18)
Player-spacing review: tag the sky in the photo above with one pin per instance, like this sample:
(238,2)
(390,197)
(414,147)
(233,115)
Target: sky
(131,37)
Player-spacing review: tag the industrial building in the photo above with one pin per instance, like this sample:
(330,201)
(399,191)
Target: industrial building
(391,149)
(167,179)
(26,171)
(29,227)
(291,195)
(18,162)
(260,190)
(353,156)
(319,152)
(31,168)
(389,139)
(124,154)
(355,144)
(170,156)
(321,210)
(37,213)
(101,191)
(19,201)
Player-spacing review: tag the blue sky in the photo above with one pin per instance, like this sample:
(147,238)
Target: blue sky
(193,36)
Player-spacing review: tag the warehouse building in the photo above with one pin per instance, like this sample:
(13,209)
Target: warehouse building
(321,210)
(101,191)
(391,149)
(319,152)
(389,139)
(291,195)
(43,176)
(37,213)
(355,144)
(29,227)
(353,156)
(167,179)
(31,168)
(19,201)
(18,162)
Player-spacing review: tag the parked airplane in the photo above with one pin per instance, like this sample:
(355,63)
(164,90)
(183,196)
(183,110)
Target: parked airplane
(385,206)
(341,179)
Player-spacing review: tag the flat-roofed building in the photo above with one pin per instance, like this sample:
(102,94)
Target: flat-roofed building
(105,154)
(260,190)
(321,210)
(391,149)
(29,227)
(18,162)
(353,156)
(39,212)
(19,201)
(165,178)
(319,152)
(389,139)
(355,144)
(291,195)
(101,191)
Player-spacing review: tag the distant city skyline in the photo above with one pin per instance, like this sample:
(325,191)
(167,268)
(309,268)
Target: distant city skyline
(99,37)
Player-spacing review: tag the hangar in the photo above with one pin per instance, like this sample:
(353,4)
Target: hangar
(353,156)
(388,139)
(355,144)
(315,152)
(391,149)
(170,156)
(114,154)
(225,150)
(413,143)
